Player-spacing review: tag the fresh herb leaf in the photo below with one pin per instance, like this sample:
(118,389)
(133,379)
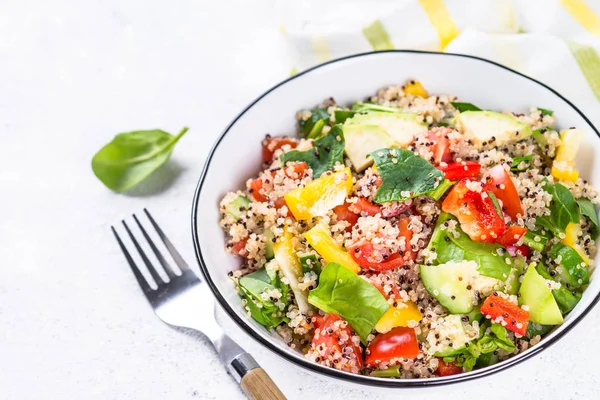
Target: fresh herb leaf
(462,107)
(587,208)
(310,263)
(501,338)
(367,107)
(462,248)
(342,115)
(563,209)
(343,292)
(265,312)
(515,167)
(404,175)
(327,151)
(496,204)
(545,111)
(133,156)
(478,350)
(316,115)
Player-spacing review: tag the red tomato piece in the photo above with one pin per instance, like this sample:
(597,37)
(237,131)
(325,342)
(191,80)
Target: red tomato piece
(400,342)
(270,145)
(385,294)
(447,369)
(256,187)
(343,213)
(296,171)
(239,248)
(498,308)
(502,185)
(475,212)
(441,144)
(332,335)
(511,235)
(459,170)
(280,202)
(365,207)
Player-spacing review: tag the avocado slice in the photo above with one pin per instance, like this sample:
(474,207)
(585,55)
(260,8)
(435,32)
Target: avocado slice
(401,127)
(448,284)
(362,140)
(482,126)
(537,296)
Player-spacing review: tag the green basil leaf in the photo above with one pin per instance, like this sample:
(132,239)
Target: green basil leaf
(327,151)
(518,160)
(342,115)
(462,107)
(545,111)
(133,156)
(310,263)
(346,294)
(587,208)
(501,338)
(563,210)
(317,114)
(267,313)
(404,175)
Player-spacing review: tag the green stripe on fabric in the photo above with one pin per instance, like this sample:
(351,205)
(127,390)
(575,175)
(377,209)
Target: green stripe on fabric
(377,36)
(589,62)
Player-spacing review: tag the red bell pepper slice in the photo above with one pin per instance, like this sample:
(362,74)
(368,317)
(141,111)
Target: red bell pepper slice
(459,170)
(499,309)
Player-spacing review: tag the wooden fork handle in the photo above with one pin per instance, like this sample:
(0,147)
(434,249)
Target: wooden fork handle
(257,385)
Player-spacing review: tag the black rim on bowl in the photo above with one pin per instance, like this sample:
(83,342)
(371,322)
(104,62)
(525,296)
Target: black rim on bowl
(334,373)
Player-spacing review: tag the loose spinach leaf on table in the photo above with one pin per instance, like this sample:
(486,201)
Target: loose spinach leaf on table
(132,156)
(343,292)
(318,118)
(404,175)
(323,156)
(266,312)
(587,208)
(563,210)
(462,107)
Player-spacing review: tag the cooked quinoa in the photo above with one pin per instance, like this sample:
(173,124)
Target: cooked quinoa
(411,235)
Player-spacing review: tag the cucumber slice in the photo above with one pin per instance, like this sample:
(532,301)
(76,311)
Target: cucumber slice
(448,284)
(362,140)
(572,269)
(482,126)
(238,206)
(269,254)
(402,128)
(455,331)
(537,296)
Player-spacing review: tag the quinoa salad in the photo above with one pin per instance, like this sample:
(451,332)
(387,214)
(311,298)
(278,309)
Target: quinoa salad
(411,235)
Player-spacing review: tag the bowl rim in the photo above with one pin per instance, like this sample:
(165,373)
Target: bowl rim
(331,372)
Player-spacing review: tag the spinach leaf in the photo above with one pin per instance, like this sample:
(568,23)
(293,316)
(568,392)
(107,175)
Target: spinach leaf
(462,107)
(587,208)
(545,111)
(310,263)
(563,209)
(501,338)
(317,114)
(343,292)
(342,115)
(327,151)
(462,248)
(266,312)
(133,156)
(515,167)
(404,175)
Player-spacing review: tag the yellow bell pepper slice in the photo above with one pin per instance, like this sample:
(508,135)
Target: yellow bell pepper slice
(563,167)
(320,239)
(319,196)
(415,88)
(398,316)
(571,236)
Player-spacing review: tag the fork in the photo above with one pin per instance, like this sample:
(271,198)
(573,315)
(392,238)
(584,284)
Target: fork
(185,301)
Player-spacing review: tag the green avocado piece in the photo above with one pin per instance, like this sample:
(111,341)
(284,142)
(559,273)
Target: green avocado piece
(482,126)
(361,140)
(402,128)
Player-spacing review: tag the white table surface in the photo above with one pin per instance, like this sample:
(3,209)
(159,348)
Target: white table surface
(73,323)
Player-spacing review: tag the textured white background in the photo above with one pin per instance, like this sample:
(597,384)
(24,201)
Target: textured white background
(73,323)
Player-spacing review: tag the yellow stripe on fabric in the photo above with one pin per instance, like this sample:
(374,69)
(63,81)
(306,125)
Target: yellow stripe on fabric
(583,14)
(377,36)
(441,20)
(321,48)
(589,62)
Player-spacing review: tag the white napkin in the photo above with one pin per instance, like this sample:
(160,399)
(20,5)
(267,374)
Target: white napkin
(554,41)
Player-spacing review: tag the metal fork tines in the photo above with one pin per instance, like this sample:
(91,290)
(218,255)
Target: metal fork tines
(180,299)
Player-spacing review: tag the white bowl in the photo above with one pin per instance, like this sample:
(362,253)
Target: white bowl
(236,156)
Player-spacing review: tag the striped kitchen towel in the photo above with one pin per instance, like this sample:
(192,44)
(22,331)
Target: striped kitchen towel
(554,41)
